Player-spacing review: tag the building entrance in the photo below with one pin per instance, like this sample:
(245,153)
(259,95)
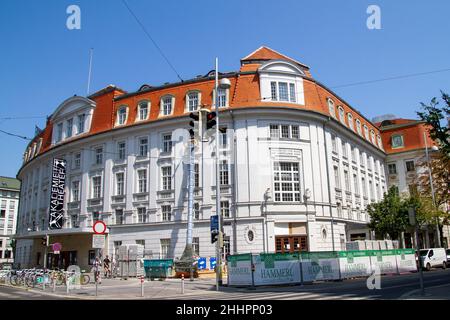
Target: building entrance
(291,244)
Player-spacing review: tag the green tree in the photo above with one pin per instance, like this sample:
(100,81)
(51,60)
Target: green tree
(389,216)
(435,116)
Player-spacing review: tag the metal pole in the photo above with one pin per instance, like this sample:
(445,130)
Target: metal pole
(422,289)
(45,251)
(191,204)
(438,236)
(218,209)
(90,68)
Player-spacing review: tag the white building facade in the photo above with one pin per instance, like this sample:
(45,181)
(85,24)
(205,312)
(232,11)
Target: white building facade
(9,204)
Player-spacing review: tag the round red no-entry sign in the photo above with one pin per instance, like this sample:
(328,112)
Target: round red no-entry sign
(99,227)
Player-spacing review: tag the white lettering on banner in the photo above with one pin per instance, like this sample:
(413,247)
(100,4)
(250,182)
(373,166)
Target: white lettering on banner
(320,269)
(276,271)
(239,270)
(56,217)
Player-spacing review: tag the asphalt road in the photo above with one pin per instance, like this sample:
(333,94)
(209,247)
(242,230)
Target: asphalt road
(392,287)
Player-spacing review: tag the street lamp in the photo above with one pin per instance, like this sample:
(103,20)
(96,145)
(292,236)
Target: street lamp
(434,148)
(224,84)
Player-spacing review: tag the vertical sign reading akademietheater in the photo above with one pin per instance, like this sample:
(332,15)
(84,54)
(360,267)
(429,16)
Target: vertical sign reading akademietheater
(57,194)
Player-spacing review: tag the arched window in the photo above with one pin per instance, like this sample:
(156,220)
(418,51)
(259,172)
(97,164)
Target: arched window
(350,121)
(366,132)
(380,143)
(372,136)
(167,103)
(192,100)
(122,115)
(358,127)
(143,109)
(331,108)
(341,114)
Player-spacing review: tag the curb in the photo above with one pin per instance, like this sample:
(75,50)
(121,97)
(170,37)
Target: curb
(413,293)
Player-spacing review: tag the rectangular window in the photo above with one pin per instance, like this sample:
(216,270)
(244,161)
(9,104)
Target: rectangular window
(96,216)
(397,141)
(286,181)
(74,221)
(274,131)
(392,168)
(295,132)
(224,174)
(354,154)
(355,184)
(166,173)
(77,161)
(196,211)
(273,90)
(120,184)
(222,98)
(119,216)
(166,213)
(196,246)
(344,150)
(69,128)
(410,166)
(121,150)
(285,131)
(371,193)
(361,160)
(81,120)
(333,143)
(225,208)
(99,155)
(283,91)
(165,248)
(364,186)
(143,147)
(337,179)
(96,187)
(142,215)
(167,143)
(143,111)
(347,180)
(223,138)
(59,132)
(141,242)
(75,190)
(167,106)
(292,92)
(142,180)
(196,175)
(192,101)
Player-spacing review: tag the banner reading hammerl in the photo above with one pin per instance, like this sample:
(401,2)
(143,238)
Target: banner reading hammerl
(56,217)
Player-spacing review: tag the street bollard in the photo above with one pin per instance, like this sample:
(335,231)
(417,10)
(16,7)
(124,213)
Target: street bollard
(54,284)
(182,284)
(142,286)
(96,287)
(67,284)
(43,284)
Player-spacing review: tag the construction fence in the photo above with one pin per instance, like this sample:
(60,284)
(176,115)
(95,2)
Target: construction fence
(306,267)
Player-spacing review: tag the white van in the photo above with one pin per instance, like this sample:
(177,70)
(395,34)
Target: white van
(433,257)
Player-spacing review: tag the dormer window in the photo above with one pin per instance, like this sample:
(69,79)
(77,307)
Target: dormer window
(372,136)
(143,110)
(59,132)
(331,108)
(122,115)
(81,120)
(193,101)
(397,141)
(366,132)
(69,128)
(380,143)
(167,103)
(358,127)
(350,121)
(341,114)
(283,91)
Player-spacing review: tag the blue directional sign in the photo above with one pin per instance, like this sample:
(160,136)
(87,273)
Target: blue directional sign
(201,263)
(212,263)
(214,223)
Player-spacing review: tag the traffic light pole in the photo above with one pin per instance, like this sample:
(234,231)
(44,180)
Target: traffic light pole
(218,209)
(45,251)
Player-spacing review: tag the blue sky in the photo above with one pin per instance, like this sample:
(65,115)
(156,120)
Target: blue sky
(42,62)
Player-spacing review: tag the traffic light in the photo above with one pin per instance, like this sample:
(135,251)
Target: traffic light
(210,120)
(44,241)
(214,236)
(192,124)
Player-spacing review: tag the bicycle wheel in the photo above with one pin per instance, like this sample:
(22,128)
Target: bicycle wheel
(60,280)
(85,279)
(30,281)
(13,280)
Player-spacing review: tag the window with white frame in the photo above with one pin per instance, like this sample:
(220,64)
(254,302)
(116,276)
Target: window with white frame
(99,155)
(350,121)
(283,91)
(222,98)
(224,173)
(167,105)
(69,128)
(122,115)
(334,143)
(143,110)
(196,211)
(371,191)
(355,153)
(143,147)
(166,173)
(142,215)
(410,167)
(59,132)
(225,208)
(166,212)
(196,246)
(196,175)
(366,132)
(392,168)
(223,141)
(77,160)
(364,186)
(341,114)
(358,127)
(284,131)
(75,190)
(337,179)
(397,141)
(380,142)
(121,150)
(120,184)
(372,136)
(355,184)
(165,248)
(286,181)
(167,143)
(80,125)
(119,216)
(192,100)
(142,180)
(96,187)
(347,180)
(362,159)
(331,108)
(344,150)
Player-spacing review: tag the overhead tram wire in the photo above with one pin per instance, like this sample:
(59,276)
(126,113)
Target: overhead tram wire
(151,39)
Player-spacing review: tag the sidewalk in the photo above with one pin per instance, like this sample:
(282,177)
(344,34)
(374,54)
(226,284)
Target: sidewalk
(441,292)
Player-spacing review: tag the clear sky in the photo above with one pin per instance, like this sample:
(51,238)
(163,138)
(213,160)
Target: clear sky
(42,63)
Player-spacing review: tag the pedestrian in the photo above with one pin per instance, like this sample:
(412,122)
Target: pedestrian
(106,267)
(97,273)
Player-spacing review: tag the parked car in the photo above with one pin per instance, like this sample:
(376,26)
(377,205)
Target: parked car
(433,257)
(448,257)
